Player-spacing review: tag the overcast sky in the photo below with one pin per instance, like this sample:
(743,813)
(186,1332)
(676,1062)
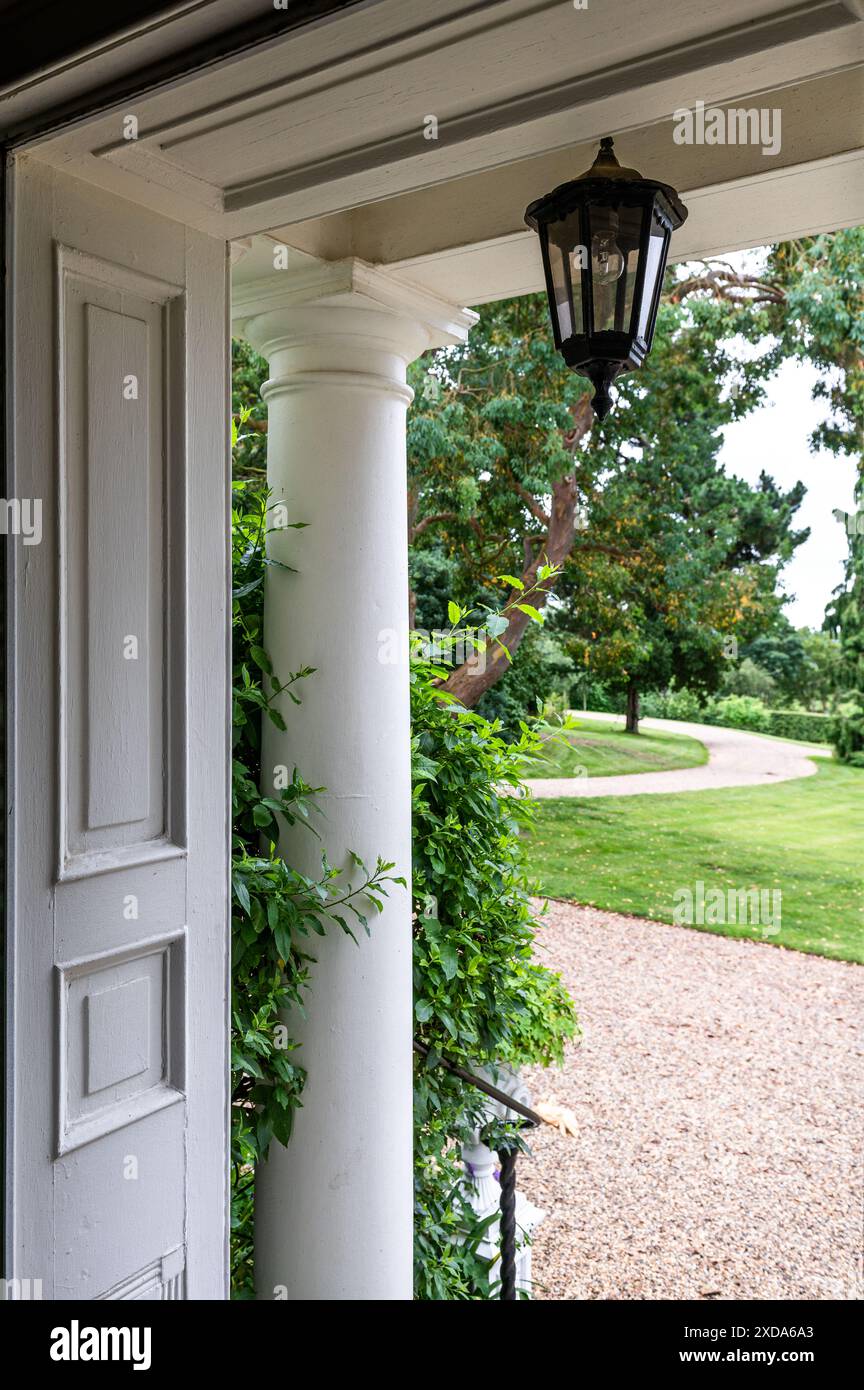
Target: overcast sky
(776,438)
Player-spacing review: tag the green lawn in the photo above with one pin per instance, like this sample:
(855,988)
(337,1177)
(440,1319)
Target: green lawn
(604,751)
(631,854)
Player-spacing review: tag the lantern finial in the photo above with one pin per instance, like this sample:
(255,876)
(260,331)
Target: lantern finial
(606,164)
(601,375)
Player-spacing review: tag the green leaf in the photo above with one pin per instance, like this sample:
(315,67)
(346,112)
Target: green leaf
(260,657)
(531,611)
(448,1023)
(241,892)
(449,959)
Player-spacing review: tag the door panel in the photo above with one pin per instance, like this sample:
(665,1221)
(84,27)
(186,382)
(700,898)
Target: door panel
(117,1114)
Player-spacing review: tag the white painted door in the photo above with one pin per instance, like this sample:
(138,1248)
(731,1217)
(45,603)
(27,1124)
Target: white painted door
(117,1106)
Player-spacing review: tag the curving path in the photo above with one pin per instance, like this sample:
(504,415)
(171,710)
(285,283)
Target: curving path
(735,759)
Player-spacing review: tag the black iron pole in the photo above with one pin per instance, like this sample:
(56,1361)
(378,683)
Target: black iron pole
(507,1223)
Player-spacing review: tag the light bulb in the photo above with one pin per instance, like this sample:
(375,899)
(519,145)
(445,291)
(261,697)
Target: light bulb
(607,260)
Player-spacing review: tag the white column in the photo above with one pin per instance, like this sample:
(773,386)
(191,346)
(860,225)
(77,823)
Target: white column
(334,1209)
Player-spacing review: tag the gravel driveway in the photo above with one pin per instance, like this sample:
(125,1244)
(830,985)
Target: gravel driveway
(735,759)
(718,1093)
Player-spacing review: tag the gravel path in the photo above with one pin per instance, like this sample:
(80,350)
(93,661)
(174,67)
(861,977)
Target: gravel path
(735,759)
(718,1093)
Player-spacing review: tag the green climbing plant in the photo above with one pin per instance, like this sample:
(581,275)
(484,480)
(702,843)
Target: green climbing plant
(480,996)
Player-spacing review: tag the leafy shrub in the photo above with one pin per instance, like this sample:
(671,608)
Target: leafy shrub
(740,712)
(480,997)
(591,694)
(433,575)
(737,712)
(672,704)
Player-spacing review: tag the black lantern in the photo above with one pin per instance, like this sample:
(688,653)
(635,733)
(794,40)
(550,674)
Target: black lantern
(604,238)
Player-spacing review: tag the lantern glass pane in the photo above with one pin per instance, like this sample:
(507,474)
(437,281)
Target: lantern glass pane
(614,259)
(566,258)
(654,265)
(559,291)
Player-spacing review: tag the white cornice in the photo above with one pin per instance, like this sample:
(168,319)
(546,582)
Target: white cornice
(307,280)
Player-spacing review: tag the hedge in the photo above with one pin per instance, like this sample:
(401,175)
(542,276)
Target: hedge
(810,728)
(729,711)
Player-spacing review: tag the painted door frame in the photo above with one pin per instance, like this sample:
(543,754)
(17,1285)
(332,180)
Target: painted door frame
(118,750)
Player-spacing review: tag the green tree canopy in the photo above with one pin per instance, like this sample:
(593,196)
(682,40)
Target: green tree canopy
(665,555)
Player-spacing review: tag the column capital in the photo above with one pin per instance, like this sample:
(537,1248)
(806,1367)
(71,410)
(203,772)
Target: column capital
(311,299)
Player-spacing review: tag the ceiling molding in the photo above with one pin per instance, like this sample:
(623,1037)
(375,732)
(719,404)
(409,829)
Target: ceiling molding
(136,55)
(331,70)
(802,22)
(820,120)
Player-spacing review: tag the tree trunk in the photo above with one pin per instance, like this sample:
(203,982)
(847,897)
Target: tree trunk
(469,682)
(632,725)
(473,678)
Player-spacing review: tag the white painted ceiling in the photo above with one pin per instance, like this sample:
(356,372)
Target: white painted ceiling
(321,136)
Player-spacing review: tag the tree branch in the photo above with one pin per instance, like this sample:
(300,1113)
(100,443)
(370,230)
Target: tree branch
(722,282)
(467,683)
(421,526)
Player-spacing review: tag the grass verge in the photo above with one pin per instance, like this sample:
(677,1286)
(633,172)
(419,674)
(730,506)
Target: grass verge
(594,749)
(804,837)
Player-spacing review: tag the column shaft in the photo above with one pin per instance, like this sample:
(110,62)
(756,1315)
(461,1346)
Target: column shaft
(334,1209)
